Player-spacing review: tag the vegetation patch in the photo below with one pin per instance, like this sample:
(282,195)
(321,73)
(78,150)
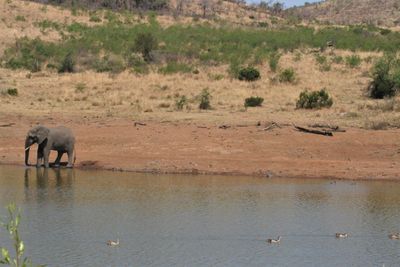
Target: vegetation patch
(205,99)
(353,61)
(253,101)
(314,99)
(10,92)
(287,76)
(249,74)
(386,77)
(175,67)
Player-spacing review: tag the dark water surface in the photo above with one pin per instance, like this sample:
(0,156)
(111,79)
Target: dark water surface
(171,220)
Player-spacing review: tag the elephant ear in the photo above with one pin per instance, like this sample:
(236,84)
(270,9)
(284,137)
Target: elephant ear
(41,133)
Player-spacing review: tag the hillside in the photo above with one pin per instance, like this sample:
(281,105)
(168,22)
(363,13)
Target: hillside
(378,12)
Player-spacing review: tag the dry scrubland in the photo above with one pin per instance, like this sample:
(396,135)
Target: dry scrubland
(153,96)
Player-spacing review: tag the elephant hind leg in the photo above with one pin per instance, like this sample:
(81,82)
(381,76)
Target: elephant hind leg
(70,159)
(58,159)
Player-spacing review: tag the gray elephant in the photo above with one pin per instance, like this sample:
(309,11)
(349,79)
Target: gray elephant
(60,139)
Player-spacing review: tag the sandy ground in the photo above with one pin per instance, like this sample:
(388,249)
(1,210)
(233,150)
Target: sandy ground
(197,148)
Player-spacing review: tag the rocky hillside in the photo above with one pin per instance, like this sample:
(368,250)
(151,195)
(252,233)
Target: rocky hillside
(378,12)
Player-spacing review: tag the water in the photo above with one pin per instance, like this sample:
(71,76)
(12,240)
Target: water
(171,220)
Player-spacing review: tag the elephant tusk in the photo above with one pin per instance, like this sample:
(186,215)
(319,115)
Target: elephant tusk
(27,148)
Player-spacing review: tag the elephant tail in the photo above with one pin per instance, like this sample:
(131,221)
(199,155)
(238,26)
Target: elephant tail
(74,156)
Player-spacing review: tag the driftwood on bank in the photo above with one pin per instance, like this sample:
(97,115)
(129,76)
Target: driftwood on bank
(333,128)
(7,124)
(271,126)
(139,123)
(320,132)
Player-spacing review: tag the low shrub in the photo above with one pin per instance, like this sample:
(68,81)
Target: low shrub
(205,99)
(386,77)
(181,102)
(253,101)
(287,76)
(314,99)
(10,92)
(249,74)
(273,61)
(67,65)
(94,18)
(145,43)
(109,64)
(337,59)
(353,61)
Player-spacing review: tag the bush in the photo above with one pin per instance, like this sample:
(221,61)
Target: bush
(386,77)
(10,92)
(205,98)
(253,101)
(181,102)
(273,61)
(109,63)
(145,43)
(314,99)
(287,76)
(353,61)
(249,74)
(67,64)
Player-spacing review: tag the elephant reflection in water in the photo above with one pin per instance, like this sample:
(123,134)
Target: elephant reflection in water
(50,178)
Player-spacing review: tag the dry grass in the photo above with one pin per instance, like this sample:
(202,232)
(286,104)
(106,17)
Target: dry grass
(153,96)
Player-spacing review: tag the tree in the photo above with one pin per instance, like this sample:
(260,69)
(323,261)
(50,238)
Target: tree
(145,43)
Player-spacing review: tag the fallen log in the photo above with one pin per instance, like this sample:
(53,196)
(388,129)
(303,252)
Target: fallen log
(271,126)
(139,123)
(7,124)
(333,128)
(302,129)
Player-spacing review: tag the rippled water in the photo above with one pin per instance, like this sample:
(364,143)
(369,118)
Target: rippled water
(170,220)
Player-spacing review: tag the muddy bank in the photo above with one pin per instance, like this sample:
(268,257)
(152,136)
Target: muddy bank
(195,148)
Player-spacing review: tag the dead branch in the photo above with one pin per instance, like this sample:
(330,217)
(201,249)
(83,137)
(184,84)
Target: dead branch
(7,124)
(302,129)
(333,128)
(224,126)
(139,123)
(271,126)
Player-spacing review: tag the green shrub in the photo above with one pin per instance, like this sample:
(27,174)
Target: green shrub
(385,31)
(321,59)
(175,67)
(145,43)
(314,99)
(234,68)
(386,77)
(181,102)
(249,74)
(205,99)
(67,64)
(253,101)
(337,59)
(353,61)
(273,61)
(20,18)
(10,92)
(287,76)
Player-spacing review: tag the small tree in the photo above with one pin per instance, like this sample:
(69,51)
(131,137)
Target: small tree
(68,64)
(145,43)
(386,78)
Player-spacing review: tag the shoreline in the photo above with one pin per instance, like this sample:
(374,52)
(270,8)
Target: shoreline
(194,149)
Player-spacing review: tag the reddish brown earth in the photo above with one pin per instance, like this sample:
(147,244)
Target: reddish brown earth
(117,144)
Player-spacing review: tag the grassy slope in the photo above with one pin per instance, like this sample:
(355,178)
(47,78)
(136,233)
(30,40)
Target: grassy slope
(153,96)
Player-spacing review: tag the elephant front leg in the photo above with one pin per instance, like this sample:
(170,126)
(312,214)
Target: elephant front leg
(46,158)
(39,158)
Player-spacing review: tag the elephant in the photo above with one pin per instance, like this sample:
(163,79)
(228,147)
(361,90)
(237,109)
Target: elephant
(60,139)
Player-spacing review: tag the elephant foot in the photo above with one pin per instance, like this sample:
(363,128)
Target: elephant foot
(38,165)
(69,166)
(56,165)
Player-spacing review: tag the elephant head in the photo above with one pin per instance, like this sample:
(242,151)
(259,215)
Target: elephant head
(37,134)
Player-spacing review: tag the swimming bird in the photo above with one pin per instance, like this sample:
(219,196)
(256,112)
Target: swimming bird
(113,243)
(341,235)
(278,240)
(394,236)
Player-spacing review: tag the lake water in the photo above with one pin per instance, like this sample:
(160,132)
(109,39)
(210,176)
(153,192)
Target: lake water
(178,220)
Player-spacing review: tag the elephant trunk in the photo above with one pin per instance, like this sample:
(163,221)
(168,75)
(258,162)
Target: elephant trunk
(27,148)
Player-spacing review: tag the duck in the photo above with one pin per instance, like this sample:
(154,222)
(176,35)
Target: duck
(394,236)
(113,243)
(341,235)
(271,241)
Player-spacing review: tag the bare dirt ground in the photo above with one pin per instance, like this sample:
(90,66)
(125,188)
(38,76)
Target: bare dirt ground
(198,148)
